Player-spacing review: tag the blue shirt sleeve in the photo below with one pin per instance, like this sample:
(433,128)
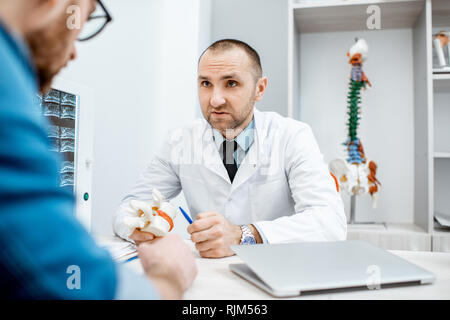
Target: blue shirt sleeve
(131,286)
(45,253)
(40,239)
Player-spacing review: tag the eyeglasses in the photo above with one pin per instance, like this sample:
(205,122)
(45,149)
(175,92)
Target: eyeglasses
(96,23)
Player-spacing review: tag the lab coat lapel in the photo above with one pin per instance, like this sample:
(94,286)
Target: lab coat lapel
(256,153)
(212,159)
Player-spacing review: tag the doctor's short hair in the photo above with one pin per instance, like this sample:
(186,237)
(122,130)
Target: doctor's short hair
(228,44)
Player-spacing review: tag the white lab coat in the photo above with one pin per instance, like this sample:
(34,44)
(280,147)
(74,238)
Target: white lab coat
(283,185)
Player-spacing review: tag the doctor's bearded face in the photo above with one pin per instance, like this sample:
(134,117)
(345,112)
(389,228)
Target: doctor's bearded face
(53,46)
(227,88)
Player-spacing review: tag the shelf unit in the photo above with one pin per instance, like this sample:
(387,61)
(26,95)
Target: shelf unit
(441,134)
(442,155)
(322,31)
(397,127)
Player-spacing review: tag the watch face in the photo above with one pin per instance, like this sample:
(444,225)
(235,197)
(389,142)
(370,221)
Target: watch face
(249,240)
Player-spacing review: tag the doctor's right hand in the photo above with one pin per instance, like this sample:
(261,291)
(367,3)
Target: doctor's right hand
(170,264)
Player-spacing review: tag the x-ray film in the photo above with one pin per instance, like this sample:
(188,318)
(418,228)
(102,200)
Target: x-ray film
(69,99)
(51,109)
(67,179)
(67,145)
(67,133)
(60,109)
(67,166)
(67,112)
(52,96)
(53,131)
(54,144)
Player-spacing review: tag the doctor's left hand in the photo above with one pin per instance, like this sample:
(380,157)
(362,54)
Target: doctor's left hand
(139,236)
(213,235)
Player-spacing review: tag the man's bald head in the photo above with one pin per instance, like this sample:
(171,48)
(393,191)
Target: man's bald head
(230,44)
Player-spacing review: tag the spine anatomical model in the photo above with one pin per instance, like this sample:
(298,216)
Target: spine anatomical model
(356,174)
(155,216)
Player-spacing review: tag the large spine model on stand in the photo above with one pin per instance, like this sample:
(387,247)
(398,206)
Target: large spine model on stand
(356,174)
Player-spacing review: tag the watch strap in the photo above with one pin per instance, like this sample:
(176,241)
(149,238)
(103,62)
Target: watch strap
(246,232)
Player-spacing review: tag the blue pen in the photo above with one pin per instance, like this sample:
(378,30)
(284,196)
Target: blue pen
(131,259)
(186,215)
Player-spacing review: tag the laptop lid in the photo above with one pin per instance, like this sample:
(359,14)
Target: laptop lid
(288,269)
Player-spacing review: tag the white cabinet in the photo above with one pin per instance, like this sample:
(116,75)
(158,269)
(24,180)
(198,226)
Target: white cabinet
(441,164)
(262,24)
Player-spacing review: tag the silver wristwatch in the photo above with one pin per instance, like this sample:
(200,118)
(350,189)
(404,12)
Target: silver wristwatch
(247,235)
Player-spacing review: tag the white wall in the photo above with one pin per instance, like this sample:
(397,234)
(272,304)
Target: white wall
(142,69)
(386,129)
(263,25)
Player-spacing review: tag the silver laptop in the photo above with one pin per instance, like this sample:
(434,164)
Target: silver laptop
(285,270)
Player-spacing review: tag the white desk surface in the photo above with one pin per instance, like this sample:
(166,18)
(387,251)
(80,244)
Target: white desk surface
(216,281)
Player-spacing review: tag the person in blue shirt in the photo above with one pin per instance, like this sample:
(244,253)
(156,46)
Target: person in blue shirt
(45,253)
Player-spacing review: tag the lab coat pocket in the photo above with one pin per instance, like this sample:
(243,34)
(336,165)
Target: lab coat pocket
(271,199)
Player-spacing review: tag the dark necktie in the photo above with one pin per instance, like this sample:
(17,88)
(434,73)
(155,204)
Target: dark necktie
(228,149)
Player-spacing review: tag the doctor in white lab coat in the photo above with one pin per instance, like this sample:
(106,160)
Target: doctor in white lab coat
(282,190)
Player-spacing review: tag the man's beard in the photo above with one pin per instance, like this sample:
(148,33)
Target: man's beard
(235,121)
(46,47)
(45,78)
